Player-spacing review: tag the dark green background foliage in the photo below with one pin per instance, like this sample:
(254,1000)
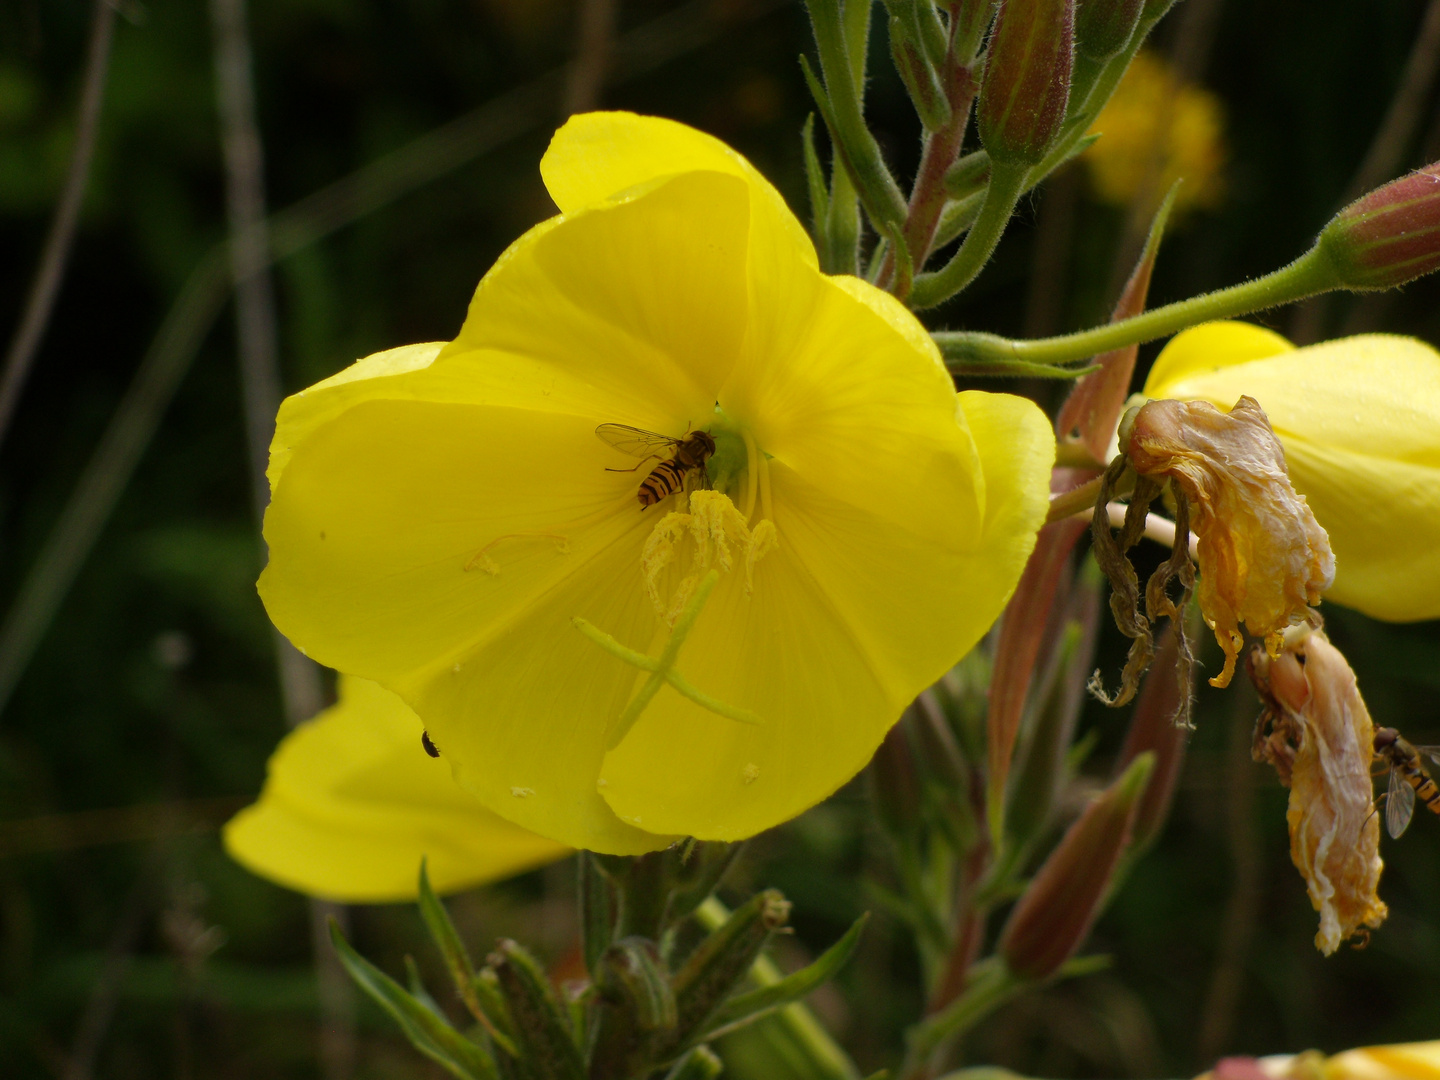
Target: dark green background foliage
(155,685)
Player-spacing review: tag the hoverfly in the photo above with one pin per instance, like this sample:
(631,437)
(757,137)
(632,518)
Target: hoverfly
(687,454)
(1408,778)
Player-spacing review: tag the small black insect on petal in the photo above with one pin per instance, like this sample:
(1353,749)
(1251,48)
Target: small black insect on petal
(430,747)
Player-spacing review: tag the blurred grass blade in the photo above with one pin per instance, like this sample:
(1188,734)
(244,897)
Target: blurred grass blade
(427,1032)
(749,1006)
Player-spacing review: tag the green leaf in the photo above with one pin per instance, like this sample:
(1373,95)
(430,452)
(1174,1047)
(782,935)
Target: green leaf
(447,940)
(815,181)
(743,1008)
(427,1032)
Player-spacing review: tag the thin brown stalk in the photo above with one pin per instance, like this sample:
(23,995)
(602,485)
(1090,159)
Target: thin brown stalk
(100,1006)
(592,56)
(301,689)
(61,239)
(195,309)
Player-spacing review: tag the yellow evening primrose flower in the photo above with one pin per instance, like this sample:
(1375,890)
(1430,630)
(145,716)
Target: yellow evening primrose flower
(1359,419)
(446,522)
(1153,112)
(351,806)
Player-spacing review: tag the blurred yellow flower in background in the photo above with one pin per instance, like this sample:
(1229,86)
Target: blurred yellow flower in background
(351,805)
(1401,1061)
(445,521)
(1359,419)
(1154,131)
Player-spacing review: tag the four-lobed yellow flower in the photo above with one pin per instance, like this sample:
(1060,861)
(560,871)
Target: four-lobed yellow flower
(351,806)
(446,523)
(1359,419)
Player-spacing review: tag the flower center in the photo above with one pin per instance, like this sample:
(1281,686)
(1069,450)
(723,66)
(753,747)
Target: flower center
(717,535)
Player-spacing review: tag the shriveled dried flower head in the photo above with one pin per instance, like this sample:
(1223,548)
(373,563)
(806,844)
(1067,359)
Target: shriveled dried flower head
(1318,734)
(1263,557)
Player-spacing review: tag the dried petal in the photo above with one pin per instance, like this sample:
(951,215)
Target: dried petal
(1320,741)
(1263,556)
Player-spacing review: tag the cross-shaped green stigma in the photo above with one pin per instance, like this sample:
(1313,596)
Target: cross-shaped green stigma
(662,668)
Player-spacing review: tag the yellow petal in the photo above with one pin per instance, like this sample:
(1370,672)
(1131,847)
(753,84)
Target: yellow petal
(857,610)
(848,392)
(352,804)
(1360,422)
(600,155)
(1209,347)
(303,413)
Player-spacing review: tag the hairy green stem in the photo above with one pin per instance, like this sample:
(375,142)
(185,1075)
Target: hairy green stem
(1306,276)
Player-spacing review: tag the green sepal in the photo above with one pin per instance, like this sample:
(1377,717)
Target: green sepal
(744,1008)
(718,964)
(634,1009)
(542,1024)
(427,1031)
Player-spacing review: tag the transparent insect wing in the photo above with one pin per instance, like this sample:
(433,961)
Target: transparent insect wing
(1430,752)
(636,442)
(1399,804)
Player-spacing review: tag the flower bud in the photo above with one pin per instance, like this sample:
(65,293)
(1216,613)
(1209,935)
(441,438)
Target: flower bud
(542,1025)
(1103,27)
(1389,236)
(1027,79)
(720,961)
(1056,911)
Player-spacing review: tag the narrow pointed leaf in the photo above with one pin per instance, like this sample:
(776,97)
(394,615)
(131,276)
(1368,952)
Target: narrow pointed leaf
(427,1032)
(749,1006)
(452,949)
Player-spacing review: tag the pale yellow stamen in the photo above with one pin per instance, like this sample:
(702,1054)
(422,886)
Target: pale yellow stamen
(716,530)
(662,668)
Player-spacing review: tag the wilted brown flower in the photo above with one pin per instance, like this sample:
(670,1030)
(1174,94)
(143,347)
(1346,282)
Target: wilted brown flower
(1318,734)
(1263,557)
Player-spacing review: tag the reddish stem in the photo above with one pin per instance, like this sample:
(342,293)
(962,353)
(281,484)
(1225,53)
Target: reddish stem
(941,150)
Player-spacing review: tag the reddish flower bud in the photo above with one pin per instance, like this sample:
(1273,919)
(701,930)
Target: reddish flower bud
(1027,79)
(1056,911)
(1389,236)
(1103,27)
